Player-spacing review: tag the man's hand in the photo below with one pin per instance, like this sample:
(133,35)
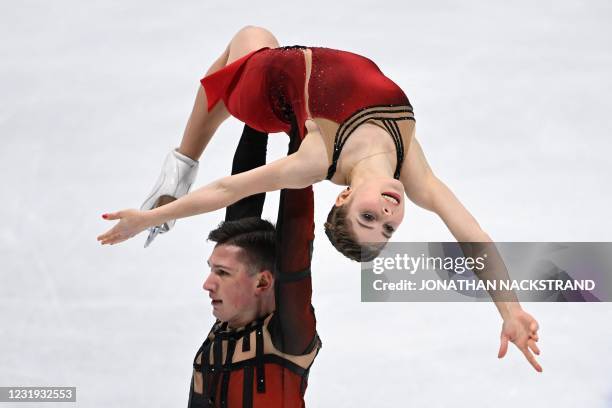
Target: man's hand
(521,329)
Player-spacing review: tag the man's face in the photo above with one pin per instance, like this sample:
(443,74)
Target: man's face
(231,288)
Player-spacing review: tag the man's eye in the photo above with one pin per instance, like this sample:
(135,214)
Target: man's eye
(221,272)
(368,217)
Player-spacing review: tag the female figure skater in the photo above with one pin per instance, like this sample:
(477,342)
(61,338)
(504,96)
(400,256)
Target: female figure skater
(357,129)
(354,126)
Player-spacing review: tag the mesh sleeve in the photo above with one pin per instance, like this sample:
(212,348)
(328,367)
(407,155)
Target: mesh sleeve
(294,327)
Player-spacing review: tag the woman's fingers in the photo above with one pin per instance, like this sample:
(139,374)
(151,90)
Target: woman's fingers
(117,238)
(503,347)
(129,225)
(532,360)
(533,347)
(112,236)
(109,239)
(105,238)
(113,216)
(113,239)
(106,235)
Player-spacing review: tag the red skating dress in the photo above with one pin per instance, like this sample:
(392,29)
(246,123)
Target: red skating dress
(266,89)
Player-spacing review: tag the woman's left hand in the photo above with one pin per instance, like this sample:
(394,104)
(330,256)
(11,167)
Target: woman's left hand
(521,329)
(131,222)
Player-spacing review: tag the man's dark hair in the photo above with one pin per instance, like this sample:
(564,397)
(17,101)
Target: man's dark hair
(254,235)
(338,230)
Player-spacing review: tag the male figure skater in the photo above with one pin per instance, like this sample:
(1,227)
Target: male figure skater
(259,352)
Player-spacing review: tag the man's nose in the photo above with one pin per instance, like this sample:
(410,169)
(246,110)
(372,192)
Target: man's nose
(209,284)
(386,210)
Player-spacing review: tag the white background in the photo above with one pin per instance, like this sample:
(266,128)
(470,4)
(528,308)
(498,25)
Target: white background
(512,101)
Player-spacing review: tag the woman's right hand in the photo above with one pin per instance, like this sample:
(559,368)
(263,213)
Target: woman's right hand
(131,222)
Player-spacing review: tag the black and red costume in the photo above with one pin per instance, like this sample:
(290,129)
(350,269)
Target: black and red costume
(266,363)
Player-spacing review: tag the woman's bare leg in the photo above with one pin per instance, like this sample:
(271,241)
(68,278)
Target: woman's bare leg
(202,124)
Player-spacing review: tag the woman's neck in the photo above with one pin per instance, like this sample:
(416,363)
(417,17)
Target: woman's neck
(376,165)
(368,154)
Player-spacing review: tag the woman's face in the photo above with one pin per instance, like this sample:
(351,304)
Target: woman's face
(375,209)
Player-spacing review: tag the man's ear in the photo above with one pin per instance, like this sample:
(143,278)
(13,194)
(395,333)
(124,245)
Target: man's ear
(343,197)
(265,280)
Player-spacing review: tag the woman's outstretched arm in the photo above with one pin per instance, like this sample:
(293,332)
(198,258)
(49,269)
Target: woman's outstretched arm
(427,191)
(298,170)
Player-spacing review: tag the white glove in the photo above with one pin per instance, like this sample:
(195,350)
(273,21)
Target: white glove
(175,180)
